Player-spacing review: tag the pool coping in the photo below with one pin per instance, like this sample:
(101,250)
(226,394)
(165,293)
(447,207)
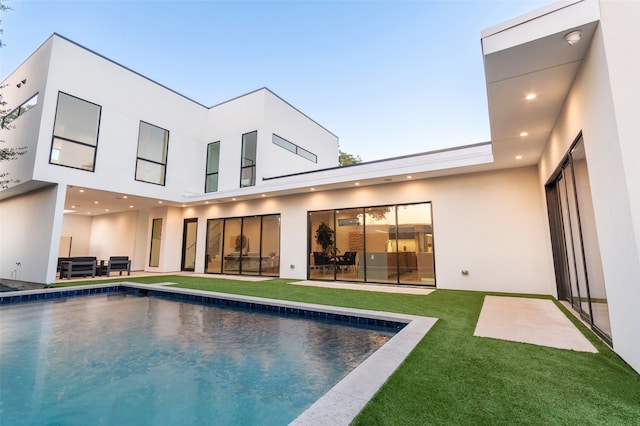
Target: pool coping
(340,404)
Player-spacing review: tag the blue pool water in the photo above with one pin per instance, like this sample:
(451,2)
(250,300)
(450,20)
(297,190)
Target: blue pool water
(124,360)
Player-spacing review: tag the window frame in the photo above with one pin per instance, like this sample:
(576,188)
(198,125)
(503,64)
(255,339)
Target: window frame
(209,173)
(146,160)
(19,111)
(252,167)
(55,137)
(292,147)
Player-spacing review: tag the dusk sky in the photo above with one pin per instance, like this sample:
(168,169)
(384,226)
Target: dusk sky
(388,78)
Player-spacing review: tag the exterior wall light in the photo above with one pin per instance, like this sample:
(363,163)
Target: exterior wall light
(573,37)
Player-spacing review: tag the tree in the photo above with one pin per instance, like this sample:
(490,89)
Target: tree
(345,159)
(6,154)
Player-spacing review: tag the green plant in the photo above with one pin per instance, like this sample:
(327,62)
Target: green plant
(324,237)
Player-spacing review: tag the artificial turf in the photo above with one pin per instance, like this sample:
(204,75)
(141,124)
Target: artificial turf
(454,378)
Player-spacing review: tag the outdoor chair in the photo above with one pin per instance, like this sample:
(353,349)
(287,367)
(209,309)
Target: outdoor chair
(119,264)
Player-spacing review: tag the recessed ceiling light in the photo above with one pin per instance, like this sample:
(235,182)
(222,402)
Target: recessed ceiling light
(357,183)
(73,207)
(523,134)
(184,205)
(531,96)
(95,202)
(313,189)
(518,157)
(409,177)
(130,207)
(233,199)
(206,202)
(106,210)
(263,195)
(159,202)
(81,190)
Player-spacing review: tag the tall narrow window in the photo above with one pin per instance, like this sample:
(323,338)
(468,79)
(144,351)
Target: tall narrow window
(213,166)
(156,237)
(151,162)
(75,133)
(248,170)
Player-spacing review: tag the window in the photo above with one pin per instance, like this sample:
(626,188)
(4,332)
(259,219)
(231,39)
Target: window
(156,238)
(283,143)
(213,166)
(248,169)
(243,245)
(24,107)
(75,133)
(151,162)
(383,244)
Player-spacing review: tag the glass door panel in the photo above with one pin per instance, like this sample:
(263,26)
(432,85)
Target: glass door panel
(213,256)
(568,239)
(156,238)
(577,243)
(415,244)
(321,243)
(349,244)
(232,246)
(250,259)
(189,244)
(590,245)
(381,243)
(270,250)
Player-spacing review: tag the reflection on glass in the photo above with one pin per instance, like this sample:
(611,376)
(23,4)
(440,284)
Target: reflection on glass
(321,242)
(150,172)
(213,256)
(350,244)
(156,237)
(233,246)
(152,153)
(381,256)
(270,245)
(72,154)
(249,147)
(250,259)
(591,247)
(385,244)
(189,244)
(415,244)
(75,133)
(213,164)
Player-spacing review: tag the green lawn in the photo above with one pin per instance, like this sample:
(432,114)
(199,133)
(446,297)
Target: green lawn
(453,378)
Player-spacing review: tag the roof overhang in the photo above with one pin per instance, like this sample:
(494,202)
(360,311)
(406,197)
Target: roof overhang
(529,54)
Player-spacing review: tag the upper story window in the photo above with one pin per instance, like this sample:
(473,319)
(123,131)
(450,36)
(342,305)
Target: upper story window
(213,166)
(151,163)
(24,107)
(248,169)
(283,143)
(75,133)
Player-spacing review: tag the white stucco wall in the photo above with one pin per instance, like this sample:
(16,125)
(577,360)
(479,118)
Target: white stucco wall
(79,229)
(492,224)
(610,140)
(28,224)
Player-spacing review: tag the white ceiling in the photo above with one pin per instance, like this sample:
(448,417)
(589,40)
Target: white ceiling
(546,67)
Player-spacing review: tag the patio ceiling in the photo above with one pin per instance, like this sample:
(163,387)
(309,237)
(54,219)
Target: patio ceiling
(531,55)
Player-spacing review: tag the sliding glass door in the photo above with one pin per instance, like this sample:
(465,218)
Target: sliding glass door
(243,246)
(576,253)
(383,244)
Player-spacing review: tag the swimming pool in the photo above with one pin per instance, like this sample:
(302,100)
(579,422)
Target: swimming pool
(117,358)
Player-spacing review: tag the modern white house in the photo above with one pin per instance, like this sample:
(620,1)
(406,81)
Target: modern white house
(117,164)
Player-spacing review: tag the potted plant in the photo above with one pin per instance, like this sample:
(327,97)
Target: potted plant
(324,237)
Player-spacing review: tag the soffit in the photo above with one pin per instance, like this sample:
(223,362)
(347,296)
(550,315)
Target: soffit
(546,66)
